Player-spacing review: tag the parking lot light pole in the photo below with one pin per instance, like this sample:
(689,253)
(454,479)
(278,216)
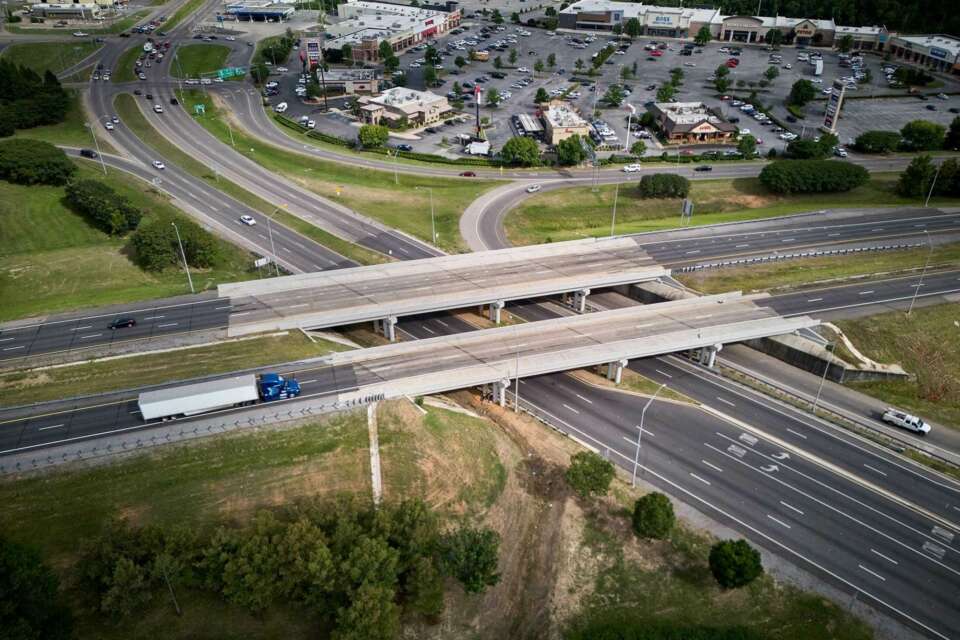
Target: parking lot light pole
(916,291)
(633,110)
(643,413)
(184,256)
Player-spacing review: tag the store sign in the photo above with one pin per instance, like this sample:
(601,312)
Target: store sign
(663,21)
(936,52)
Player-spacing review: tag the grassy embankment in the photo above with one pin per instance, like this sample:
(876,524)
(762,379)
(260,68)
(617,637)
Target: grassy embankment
(53,56)
(404,206)
(133,118)
(72,132)
(115,27)
(23,387)
(125,70)
(51,260)
(798,273)
(568,214)
(194,60)
(924,343)
(181,14)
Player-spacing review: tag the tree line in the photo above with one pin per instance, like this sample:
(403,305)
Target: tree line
(28,99)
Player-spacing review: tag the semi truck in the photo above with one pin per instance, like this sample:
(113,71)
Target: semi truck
(224,393)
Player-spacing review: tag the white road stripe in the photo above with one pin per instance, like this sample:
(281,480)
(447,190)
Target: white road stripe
(725,401)
(666,375)
(706,482)
(887,558)
(780,522)
(712,466)
(242,313)
(298,306)
(429,330)
(229,306)
(302,382)
(791,507)
(9,339)
(442,323)
(169,324)
(692,252)
(154,318)
(815,300)
(571,409)
(796,433)
(864,293)
(93,335)
(873,573)
(789,240)
(741,246)
(875,470)
(53,426)
(587,400)
(89,326)
(832,235)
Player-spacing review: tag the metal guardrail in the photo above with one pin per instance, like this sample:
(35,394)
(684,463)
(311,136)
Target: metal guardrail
(793,256)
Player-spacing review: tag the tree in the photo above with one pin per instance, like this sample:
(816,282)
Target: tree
(155,245)
(771,73)
(676,76)
(722,71)
(498,63)
(371,615)
(801,93)
(493,97)
(29,591)
(430,77)
(515,18)
(431,55)
(389,59)
(425,589)
(550,11)
(703,36)
(314,90)
(570,151)
(666,92)
(877,141)
(102,206)
(129,591)
(542,96)
(923,135)
(25,161)
(638,148)
(373,135)
(747,146)
(589,474)
(578,65)
(347,52)
(916,179)
(812,176)
(845,43)
(806,149)
(552,60)
(664,185)
(460,62)
(721,85)
(520,151)
(457,89)
(952,141)
(734,563)
(625,73)
(497,18)
(470,555)
(513,56)
(653,516)
(538,66)
(774,37)
(259,73)
(614,95)
(633,27)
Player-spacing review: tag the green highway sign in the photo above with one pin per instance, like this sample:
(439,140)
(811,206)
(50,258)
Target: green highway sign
(229,72)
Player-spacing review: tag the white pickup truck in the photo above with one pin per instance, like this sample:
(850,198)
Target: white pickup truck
(906,421)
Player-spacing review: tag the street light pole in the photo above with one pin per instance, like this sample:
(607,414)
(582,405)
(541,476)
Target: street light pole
(823,378)
(433,221)
(96,143)
(396,157)
(184,256)
(643,413)
(613,218)
(626,145)
(273,248)
(926,203)
(916,291)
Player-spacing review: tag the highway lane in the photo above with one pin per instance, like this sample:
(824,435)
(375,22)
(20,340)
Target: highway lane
(825,523)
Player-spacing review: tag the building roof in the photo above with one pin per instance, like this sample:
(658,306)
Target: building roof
(686,116)
(407,100)
(940,41)
(860,31)
(560,115)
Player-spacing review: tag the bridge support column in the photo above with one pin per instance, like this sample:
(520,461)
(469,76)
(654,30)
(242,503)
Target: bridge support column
(495,308)
(615,370)
(580,300)
(386,327)
(500,388)
(708,355)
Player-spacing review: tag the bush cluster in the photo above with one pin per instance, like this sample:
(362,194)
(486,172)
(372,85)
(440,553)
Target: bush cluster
(664,185)
(920,178)
(26,161)
(28,100)
(812,176)
(155,244)
(103,207)
(589,474)
(734,563)
(653,516)
(354,567)
(877,141)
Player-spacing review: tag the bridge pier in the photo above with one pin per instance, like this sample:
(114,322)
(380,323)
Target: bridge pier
(386,327)
(708,355)
(615,370)
(499,391)
(580,300)
(495,308)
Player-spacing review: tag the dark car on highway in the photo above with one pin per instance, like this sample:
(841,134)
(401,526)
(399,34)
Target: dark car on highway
(704,167)
(122,323)
(88,153)
(468,174)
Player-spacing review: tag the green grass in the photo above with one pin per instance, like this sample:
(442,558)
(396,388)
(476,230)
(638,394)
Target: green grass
(578,212)
(181,14)
(51,260)
(924,344)
(133,118)
(116,27)
(55,56)
(23,387)
(124,70)
(404,206)
(795,273)
(71,132)
(681,591)
(195,60)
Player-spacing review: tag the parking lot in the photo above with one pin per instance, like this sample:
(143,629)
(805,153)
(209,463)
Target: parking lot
(533,44)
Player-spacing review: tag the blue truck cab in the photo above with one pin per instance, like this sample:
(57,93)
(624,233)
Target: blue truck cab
(273,386)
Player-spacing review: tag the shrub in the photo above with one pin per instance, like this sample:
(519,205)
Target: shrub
(653,516)
(923,135)
(31,604)
(916,179)
(877,141)
(734,563)
(373,135)
(520,151)
(470,555)
(801,93)
(33,162)
(570,151)
(155,244)
(812,176)
(664,185)
(589,474)
(102,206)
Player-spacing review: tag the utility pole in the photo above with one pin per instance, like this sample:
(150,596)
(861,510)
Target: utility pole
(184,256)
(643,413)
(916,291)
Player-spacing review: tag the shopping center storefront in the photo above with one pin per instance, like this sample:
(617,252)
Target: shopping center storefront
(742,29)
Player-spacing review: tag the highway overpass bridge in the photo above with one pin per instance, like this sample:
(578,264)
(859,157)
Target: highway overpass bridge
(382,293)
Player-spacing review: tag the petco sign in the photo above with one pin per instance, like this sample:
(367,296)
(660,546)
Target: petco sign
(936,52)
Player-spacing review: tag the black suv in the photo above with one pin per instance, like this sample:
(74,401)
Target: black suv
(122,323)
(88,153)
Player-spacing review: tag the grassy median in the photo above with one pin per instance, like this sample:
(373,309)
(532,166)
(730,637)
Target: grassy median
(377,194)
(49,56)
(194,60)
(577,212)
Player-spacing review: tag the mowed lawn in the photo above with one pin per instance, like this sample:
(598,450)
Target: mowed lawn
(568,214)
(193,60)
(55,56)
(52,260)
